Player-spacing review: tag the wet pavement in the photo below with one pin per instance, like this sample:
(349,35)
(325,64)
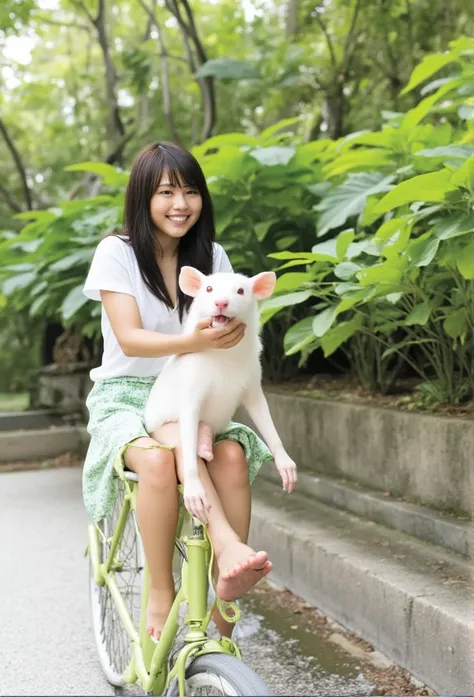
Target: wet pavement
(291,655)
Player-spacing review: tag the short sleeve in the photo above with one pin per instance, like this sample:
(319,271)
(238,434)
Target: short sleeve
(110,269)
(221,260)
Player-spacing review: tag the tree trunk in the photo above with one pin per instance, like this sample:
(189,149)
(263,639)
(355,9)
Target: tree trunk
(165,83)
(116,128)
(291,28)
(196,59)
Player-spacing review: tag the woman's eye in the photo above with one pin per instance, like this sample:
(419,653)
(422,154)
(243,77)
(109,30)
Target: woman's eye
(240,291)
(192,192)
(165,192)
(209,289)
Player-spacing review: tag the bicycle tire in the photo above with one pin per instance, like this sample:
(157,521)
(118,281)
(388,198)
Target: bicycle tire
(227,674)
(114,647)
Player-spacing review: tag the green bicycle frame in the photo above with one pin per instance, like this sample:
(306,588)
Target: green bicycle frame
(149,662)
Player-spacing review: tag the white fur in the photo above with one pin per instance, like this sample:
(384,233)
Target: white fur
(209,385)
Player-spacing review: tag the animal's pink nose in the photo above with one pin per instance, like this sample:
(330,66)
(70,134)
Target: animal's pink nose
(222,304)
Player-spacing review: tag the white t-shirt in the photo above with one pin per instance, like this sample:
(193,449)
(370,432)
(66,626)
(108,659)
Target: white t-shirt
(114,267)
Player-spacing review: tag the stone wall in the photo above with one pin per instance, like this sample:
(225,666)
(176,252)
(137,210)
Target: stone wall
(422,458)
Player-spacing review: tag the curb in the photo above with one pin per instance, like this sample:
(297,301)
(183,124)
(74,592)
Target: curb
(386,587)
(39,444)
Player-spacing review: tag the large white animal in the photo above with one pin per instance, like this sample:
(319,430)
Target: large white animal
(207,387)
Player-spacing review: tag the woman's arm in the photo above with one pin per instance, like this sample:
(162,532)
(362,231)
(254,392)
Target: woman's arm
(124,317)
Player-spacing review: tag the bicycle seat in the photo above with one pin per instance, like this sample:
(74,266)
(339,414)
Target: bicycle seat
(131,476)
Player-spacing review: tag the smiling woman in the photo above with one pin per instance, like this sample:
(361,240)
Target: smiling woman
(168,225)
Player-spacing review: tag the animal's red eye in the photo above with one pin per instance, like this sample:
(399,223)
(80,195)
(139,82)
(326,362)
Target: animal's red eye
(240,291)
(209,289)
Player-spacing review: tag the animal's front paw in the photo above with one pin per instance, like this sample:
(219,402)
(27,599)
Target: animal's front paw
(196,500)
(287,470)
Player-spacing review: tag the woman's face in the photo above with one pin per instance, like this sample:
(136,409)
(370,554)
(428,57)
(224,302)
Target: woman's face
(175,209)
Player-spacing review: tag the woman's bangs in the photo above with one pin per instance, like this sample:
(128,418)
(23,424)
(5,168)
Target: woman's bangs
(175,173)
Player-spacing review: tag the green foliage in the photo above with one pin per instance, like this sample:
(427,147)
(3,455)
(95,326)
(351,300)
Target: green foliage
(46,263)
(398,286)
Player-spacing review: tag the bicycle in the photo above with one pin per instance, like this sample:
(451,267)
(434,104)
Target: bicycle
(119,585)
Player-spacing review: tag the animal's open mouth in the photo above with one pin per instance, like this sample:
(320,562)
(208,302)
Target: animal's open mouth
(219,320)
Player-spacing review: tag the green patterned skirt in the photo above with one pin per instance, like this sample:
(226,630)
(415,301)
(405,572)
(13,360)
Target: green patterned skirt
(116,410)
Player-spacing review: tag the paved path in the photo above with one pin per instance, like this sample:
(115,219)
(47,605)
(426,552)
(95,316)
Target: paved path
(46,640)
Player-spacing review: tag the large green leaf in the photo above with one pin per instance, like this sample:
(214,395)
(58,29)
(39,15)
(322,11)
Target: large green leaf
(387,272)
(323,321)
(18,282)
(73,302)
(349,199)
(292,281)
(109,174)
(68,262)
(344,239)
(429,66)
(298,336)
(285,300)
(367,158)
(415,115)
(447,151)
(454,226)
(338,335)
(423,250)
(346,270)
(226,69)
(455,325)
(283,126)
(235,139)
(419,315)
(425,187)
(464,261)
(273,155)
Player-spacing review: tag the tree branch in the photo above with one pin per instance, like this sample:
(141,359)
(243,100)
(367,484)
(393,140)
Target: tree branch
(328,38)
(59,23)
(12,202)
(82,6)
(189,33)
(167,103)
(19,164)
(350,33)
(116,127)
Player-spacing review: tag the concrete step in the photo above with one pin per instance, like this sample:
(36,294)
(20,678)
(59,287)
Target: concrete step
(35,419)
(425,523)
(40,444)
(410,599)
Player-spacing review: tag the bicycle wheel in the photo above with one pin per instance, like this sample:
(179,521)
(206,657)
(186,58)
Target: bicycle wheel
(114,647)
(218,674)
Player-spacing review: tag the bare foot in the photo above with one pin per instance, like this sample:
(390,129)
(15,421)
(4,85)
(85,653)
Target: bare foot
(240,568)
(204,447)
(159,605)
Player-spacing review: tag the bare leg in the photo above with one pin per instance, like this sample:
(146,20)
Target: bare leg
(240,567)
(157,514)
(229,473)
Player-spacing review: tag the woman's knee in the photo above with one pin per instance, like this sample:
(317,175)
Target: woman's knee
(230,464)
(157,469)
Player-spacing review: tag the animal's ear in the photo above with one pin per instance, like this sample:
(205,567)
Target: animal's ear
(263,284)
(190,280)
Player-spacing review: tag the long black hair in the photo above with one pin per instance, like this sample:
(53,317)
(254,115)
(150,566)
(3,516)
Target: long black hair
(196,247)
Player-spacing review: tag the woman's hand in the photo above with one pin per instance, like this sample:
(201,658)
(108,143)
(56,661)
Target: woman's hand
(207,337)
